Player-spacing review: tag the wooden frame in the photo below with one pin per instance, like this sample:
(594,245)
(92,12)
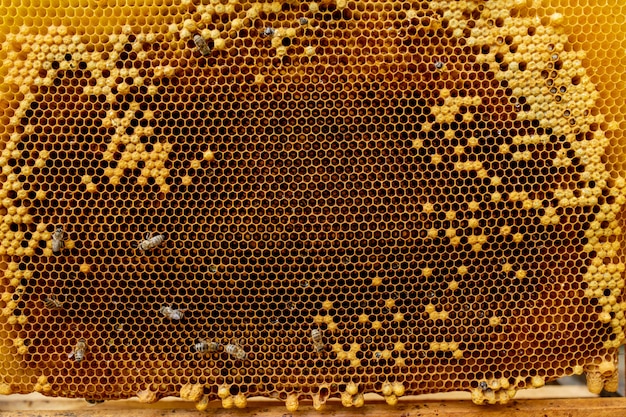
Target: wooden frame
(594,407)
(549,401)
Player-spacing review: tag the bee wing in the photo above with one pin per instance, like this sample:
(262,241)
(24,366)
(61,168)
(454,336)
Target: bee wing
(70,355)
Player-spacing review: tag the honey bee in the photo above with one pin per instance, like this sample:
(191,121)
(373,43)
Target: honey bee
(236,351)
(58,243)
(204,345)
(93,402)
(316,337)
(52,303)
(172,314)
(79,351)
(201,45)
(267,32)
(150,242)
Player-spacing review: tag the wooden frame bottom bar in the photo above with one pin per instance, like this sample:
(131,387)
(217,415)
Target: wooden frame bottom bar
(583,407)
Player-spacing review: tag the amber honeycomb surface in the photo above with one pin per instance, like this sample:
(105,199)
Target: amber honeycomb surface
(435,188)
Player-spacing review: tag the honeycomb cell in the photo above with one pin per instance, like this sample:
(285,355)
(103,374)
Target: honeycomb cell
(303,200)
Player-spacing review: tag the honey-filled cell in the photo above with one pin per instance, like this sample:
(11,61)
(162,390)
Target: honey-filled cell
(308,200)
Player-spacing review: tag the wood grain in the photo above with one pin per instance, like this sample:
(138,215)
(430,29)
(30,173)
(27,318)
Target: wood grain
(587,407)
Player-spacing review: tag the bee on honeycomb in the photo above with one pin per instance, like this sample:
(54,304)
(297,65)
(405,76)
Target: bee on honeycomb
(79,350)
(171,313)
(58,242)
(204,345)
(236,351)
(93,402)
(268,32)
(53,303)
(150,242)
(318,342)
(201,45)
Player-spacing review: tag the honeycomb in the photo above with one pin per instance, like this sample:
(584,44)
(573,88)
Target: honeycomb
(220,199)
